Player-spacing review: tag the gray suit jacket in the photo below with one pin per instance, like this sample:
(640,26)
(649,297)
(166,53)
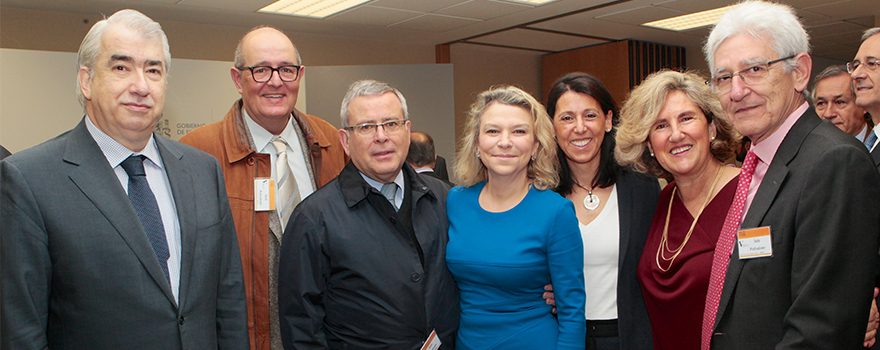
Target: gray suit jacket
(79,272)
(820,197)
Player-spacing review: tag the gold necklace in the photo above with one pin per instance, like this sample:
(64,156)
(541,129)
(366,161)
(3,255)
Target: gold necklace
(664,240)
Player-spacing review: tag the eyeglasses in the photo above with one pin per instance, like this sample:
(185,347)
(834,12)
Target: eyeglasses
(751,75)
(370,129)
(262,74)
(870,64)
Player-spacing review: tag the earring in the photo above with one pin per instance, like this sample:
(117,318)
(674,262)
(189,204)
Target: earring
(478,154)
(712,139)
(609,130)
(534,157)
(652,154)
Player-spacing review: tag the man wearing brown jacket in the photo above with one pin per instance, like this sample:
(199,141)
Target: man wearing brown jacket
(272,156)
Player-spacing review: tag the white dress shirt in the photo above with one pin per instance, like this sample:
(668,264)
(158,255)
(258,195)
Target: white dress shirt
(295,156)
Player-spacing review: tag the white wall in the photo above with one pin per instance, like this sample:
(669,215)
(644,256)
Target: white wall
(38,96)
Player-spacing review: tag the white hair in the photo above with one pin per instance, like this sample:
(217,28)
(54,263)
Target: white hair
(90,48)
(870,32)
(369,88)
(775,24)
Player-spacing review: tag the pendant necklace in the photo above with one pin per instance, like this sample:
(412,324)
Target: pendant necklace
(591,201)
(663,248)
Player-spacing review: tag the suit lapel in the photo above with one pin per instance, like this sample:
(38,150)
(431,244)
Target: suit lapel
(182,189)
(92,176)
(875,154)
(625,214)
(773,180)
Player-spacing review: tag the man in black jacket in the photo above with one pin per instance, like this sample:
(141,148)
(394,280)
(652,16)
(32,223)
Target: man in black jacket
(363,258)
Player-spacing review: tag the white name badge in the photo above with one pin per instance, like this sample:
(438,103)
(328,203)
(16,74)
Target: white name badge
(264,194)
(755,243)
(433,342)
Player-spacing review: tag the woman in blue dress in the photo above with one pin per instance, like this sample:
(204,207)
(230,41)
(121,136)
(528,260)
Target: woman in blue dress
(509,235)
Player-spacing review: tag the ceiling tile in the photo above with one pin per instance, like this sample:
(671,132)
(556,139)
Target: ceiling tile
(374,15)
(848,9)
(434,23)
(233,5)
(641,15)
(834,28)
(692,6)
(482,9)
(424,6)
(539,40)
(836,52)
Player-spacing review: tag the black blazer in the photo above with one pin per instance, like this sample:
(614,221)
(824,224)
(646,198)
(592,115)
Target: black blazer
(79,272)
(637,196)
(820,197)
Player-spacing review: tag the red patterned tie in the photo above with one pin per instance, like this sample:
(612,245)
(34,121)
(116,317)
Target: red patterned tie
(724,248)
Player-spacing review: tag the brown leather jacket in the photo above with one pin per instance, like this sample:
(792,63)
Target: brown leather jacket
(228,141)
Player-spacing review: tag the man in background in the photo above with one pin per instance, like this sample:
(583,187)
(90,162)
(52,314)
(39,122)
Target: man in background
(834,100)
(421,156)
(267,149)
(113,237)
(865,73)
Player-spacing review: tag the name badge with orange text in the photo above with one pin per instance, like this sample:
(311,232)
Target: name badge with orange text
(755,243)
(433,341)
(264,194)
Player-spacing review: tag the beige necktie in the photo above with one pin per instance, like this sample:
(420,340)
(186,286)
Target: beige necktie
(285,182)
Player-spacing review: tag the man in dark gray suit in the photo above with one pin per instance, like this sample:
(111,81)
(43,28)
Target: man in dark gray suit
(865,72)
(812,199)
(113,238)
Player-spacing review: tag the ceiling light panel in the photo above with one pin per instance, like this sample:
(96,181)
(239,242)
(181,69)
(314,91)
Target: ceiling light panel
(531,2)
(310,8)
(689,21)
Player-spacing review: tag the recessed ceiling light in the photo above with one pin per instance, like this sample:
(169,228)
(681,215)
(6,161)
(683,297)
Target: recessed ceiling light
(310,8)
(689,21)
(531,2)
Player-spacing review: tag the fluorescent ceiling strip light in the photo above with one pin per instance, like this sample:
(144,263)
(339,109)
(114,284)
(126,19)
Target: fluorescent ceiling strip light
(531,2)
(310,8)
(690,21)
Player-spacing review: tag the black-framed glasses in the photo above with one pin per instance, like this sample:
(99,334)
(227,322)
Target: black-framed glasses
(871,64)
(370,129)
(751,75)
(262,74)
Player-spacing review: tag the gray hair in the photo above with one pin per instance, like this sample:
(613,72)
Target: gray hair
(776,24)
(831,71)
(870,32)
(369,88)
(90,48)
(239,61)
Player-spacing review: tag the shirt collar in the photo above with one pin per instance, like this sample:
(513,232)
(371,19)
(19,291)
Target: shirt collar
(116,153)
(263,137)
(378,185)
(862,134)
(767,148)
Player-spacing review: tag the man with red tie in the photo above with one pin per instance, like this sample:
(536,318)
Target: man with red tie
(797,268)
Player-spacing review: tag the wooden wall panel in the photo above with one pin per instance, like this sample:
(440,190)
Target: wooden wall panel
(619,65)
(607,62)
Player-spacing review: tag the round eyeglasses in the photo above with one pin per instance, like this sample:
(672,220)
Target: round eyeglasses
(262,74)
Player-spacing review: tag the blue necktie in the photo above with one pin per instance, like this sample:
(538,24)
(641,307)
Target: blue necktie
(869,142)
(147,209)
(390,191)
